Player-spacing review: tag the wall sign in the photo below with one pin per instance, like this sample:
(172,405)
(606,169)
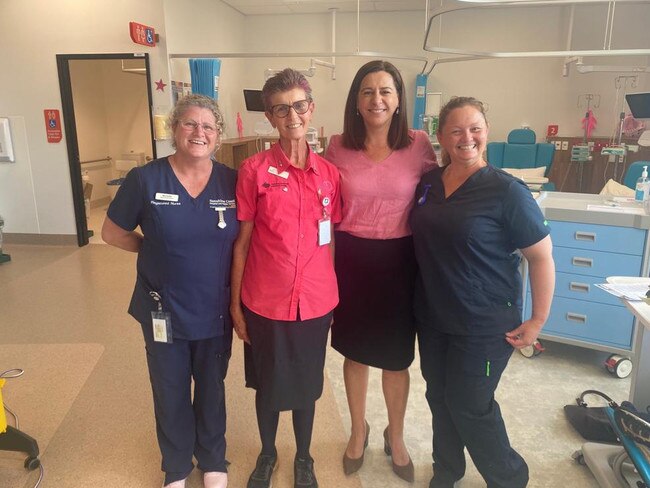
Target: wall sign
(52,125)
(142,34)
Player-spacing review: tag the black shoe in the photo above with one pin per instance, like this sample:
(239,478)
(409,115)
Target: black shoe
(440,483)
(303,473)
(261,475)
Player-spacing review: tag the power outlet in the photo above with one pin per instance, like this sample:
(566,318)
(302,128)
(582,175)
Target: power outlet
(565,145)
(558,145)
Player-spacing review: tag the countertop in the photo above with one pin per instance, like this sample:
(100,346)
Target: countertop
(592,209)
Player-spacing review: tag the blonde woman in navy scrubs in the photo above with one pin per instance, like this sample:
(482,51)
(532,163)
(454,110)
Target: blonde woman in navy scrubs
(184,205)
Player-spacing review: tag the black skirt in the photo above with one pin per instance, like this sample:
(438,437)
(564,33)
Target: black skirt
(285,360)
(373,322)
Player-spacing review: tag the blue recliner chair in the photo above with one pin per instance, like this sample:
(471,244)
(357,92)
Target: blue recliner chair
(521,152)
(633,173)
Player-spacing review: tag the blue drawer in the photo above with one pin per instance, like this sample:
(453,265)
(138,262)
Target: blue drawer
(597,237)
(596,263)
(590,322)
(581,287)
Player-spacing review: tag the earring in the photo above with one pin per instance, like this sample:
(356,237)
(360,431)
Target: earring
(358,112)
(397,111)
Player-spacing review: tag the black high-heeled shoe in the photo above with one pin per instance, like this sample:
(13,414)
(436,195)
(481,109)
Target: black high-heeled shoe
(406,472)
(350,465)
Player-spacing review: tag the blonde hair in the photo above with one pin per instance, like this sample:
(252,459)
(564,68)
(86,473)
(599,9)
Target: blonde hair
(451,105)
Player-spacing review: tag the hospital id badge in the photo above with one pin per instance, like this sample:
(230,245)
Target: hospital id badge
(324,231)
(162,327)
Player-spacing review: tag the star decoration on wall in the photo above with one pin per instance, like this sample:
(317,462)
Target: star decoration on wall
(160,85)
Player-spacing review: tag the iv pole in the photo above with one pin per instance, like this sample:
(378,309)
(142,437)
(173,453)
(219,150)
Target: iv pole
(588,98)
(620,83)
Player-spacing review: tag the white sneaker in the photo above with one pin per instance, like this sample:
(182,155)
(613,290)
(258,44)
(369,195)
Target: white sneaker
(176,484)
(215,479)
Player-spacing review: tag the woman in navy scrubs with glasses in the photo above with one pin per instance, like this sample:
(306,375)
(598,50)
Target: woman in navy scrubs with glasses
(184,205)
(469,221)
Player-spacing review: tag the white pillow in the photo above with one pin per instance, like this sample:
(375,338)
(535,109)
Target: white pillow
(526,173)
(614,188)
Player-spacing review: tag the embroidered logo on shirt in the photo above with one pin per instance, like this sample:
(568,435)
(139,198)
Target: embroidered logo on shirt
(221,203)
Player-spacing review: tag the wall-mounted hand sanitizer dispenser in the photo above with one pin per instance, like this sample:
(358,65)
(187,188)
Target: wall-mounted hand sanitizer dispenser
(6,146)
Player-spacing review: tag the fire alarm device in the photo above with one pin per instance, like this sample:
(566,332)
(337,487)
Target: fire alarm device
(6,145)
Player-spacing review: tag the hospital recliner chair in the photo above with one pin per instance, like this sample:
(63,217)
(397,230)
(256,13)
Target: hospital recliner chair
(522,152)
(633,173)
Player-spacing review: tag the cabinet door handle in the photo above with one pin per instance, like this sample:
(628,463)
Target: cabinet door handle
(582,262)
(585,236)
(576,317)
(582,287)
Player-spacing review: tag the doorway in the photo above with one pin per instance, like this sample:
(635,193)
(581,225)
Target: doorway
(106,103)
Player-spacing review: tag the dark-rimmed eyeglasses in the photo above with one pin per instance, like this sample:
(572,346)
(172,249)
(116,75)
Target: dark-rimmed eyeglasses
(282,109)
(191,125)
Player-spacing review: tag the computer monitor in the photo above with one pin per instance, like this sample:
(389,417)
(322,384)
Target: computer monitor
(253,99)
(639,104)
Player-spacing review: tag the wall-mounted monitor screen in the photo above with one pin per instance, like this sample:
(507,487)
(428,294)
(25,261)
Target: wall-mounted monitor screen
(253,99)
(639,104)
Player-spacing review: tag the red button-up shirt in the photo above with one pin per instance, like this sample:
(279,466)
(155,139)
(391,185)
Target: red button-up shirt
(285,268)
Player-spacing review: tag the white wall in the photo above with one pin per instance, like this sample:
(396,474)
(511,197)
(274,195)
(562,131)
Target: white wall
(210,26)
(32,32)
(35,195)
(517,91)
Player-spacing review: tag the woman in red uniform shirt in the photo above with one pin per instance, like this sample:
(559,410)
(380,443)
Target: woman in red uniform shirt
(283,283)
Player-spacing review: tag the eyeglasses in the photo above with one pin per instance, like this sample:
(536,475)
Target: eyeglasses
(191,125)
(282,109)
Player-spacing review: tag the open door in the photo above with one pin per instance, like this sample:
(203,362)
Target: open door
(97,118)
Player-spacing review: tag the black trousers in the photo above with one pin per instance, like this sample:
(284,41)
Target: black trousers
(187,428)
(462,374)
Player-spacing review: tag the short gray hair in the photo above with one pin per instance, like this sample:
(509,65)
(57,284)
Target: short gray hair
(285,80)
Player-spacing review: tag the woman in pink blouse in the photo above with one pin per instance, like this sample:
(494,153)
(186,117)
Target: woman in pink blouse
(380,161)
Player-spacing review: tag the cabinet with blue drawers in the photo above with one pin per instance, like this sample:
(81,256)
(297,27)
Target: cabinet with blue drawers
(589,246)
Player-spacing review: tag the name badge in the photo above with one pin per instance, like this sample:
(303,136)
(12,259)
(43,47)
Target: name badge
(274,171)
(324,231)
(167,197)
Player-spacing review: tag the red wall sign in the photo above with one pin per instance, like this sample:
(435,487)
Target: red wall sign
(52,125)
(551,130)
(142,34)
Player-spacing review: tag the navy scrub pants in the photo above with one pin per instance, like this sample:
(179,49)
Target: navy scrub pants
(187,428)
(462,374)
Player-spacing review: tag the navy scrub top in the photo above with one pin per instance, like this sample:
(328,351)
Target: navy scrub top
(185,255)
(469,281)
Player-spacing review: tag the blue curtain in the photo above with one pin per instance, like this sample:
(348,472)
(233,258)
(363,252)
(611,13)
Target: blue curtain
(205,76)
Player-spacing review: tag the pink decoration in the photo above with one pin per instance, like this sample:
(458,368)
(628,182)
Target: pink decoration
(632,127)
(240,126)
(160,85)
(589,123)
